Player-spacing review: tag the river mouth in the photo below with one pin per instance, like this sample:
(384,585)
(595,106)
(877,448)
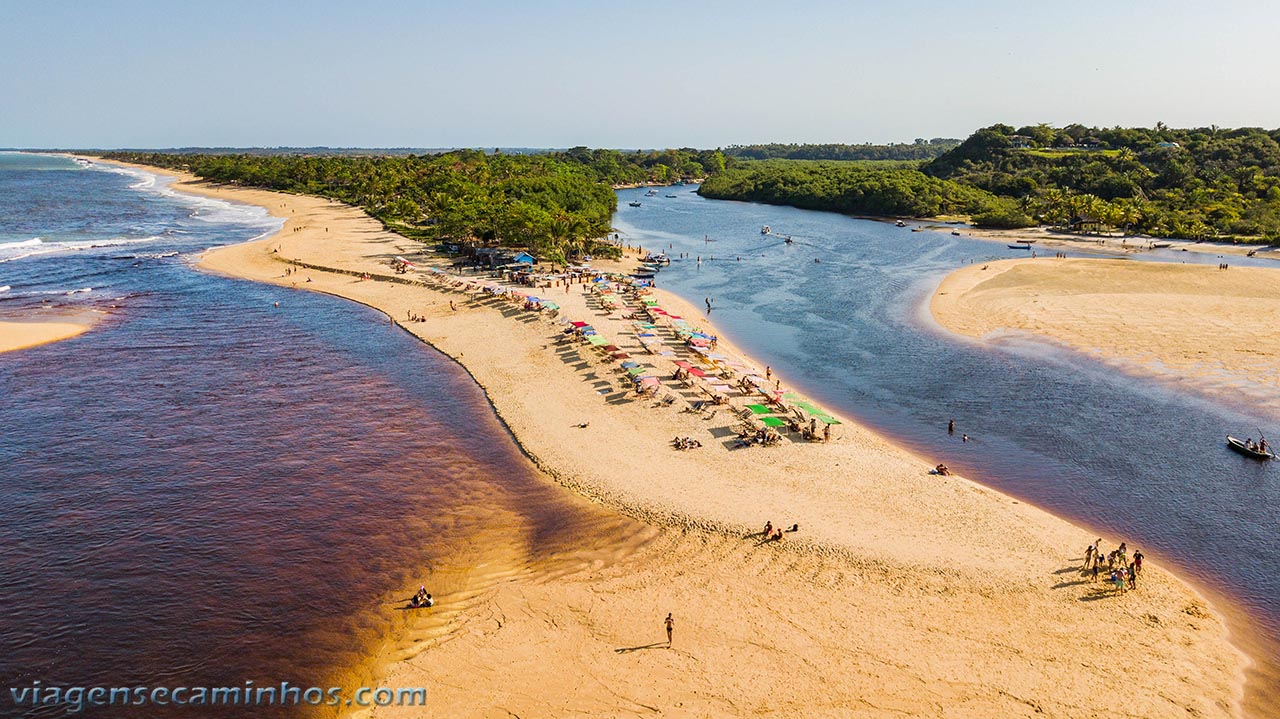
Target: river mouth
(843,307)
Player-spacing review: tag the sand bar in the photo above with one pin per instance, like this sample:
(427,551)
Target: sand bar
(21,335)
(903,594)
(1197,321)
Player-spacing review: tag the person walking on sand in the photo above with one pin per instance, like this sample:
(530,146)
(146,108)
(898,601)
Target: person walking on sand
(669,622)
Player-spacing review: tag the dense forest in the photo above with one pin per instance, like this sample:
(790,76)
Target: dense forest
(1206,183)
(921,149)
(558,205)
(848,187)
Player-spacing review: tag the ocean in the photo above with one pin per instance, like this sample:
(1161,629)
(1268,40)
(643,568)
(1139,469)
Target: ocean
(208,490)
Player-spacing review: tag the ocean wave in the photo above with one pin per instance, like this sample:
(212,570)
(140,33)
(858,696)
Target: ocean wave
(24,243)
(43,247)
(204,209)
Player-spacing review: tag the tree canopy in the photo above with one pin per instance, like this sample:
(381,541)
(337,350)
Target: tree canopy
(846,187)
(1189,183)
(558,205)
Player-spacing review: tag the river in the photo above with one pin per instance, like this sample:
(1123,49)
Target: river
(843,311)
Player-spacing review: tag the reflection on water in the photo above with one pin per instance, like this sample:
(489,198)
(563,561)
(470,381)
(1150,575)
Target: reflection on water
(1144,460)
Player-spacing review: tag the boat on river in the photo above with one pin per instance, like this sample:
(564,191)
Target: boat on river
(899,223)
(634,203)
(766,230)
(1254,452)
(1022,246)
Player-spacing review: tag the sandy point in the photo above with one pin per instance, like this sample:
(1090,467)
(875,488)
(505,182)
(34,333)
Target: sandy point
(23,334)
(1199,321)
(902,593)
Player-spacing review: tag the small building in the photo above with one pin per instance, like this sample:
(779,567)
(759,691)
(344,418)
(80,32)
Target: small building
(1167,144)
(1085,224)
(1020,142)
(525,258)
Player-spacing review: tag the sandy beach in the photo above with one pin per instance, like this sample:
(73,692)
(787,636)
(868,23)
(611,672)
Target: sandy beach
(1187,321)
(22,334)
(1048,240)
(902,593)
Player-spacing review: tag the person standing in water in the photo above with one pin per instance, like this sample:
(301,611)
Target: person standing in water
(951,426)
(669,622)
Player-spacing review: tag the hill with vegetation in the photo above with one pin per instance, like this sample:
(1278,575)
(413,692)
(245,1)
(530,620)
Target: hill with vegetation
(558,205)
(1204,183)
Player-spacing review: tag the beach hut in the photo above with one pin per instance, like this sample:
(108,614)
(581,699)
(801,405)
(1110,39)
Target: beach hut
(524,258)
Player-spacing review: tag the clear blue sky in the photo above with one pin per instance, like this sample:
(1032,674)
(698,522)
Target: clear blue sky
(647,73)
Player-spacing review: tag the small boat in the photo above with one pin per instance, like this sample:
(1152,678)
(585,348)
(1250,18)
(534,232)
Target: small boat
(651,193)
(670,196)
(1250,253)
(1160,245)
(1015,247)
(917,229)
(766,230)
(788,240)
(1239,446)
(956,232)
(899,223)
(634,203)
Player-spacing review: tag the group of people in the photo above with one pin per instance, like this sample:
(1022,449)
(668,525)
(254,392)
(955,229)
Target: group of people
(1259,446)
(422,599)
(685,443)
(1123,572)
(763,436)
(775,535)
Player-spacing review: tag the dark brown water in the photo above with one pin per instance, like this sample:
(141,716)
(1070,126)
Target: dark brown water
(210,490)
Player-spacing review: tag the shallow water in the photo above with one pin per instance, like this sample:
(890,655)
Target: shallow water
(1141,458)
(207,489)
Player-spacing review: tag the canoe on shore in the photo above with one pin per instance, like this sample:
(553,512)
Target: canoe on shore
(1239,446)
